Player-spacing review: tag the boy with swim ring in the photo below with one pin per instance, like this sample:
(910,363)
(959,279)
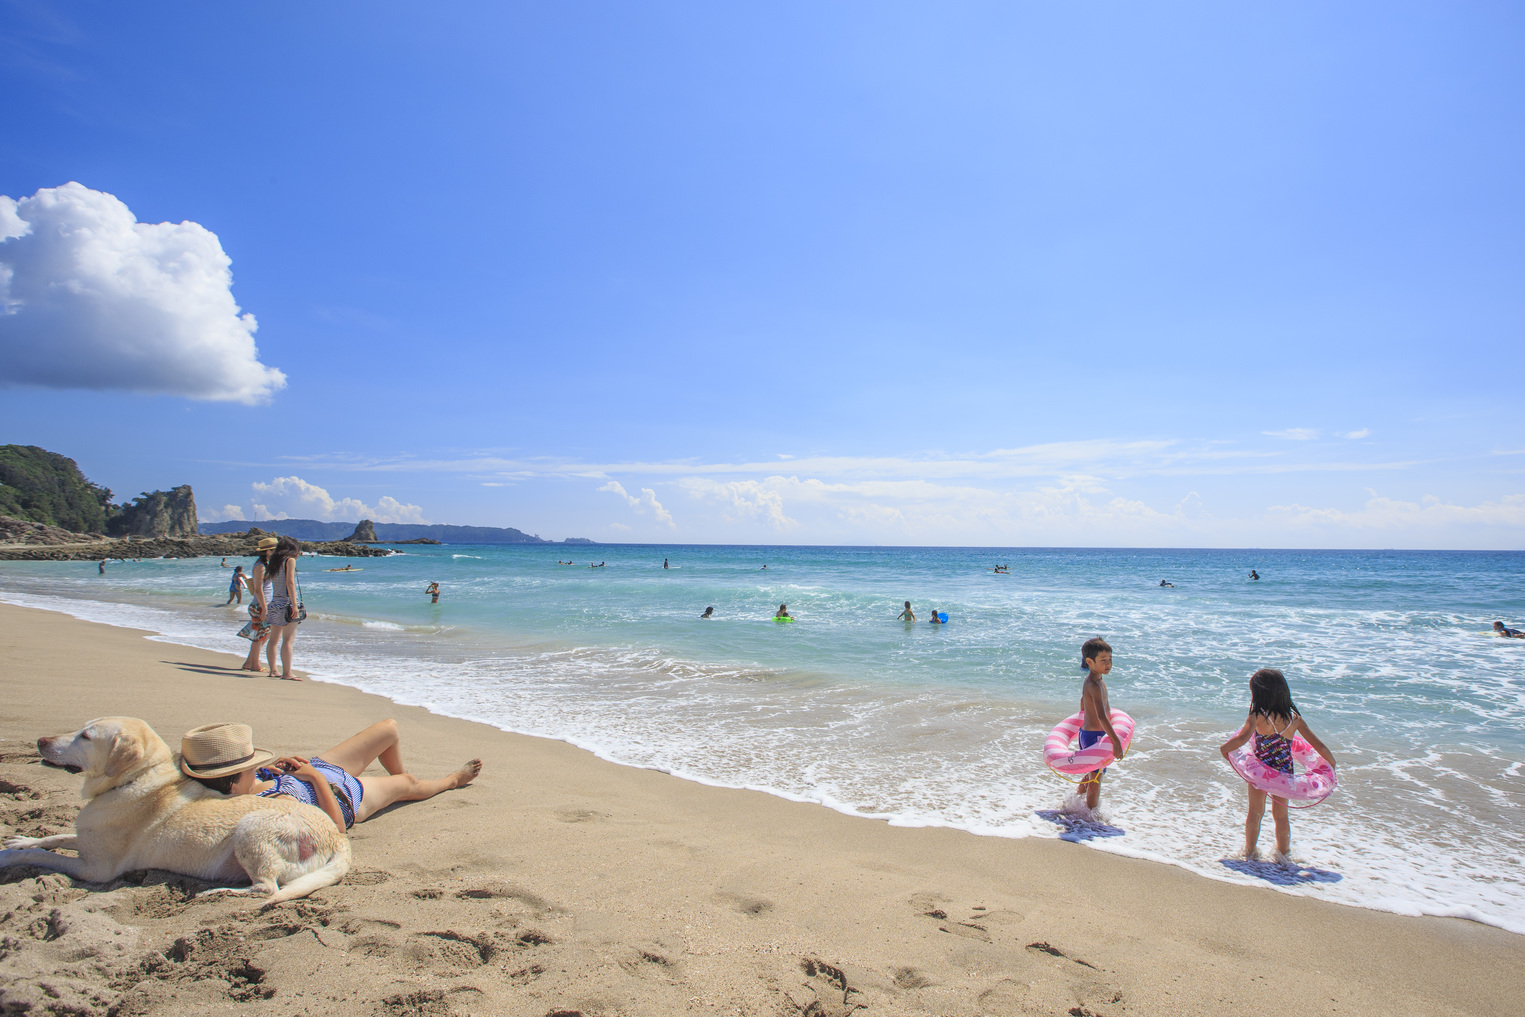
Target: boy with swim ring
(1096,711)
(1274,722)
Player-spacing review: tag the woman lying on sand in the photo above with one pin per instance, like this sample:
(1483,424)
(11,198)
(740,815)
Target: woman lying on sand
(332,782)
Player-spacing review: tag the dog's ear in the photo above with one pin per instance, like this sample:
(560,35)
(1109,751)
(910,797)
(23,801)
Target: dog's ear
(126,752)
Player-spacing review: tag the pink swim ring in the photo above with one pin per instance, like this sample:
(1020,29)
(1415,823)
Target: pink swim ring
(1315,783)
(1062,758)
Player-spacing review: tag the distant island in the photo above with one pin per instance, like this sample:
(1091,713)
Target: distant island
(317,529)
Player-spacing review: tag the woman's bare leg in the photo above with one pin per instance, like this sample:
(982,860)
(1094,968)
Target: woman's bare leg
(404,787)
(379,741)
(288,636)
(251,662)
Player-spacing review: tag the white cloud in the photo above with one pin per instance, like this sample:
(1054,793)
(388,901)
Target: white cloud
(1429,515)
(647,502)
(748,499)
(295,498)
(91,298)
(1364,432)
(1293,433)
(222,515)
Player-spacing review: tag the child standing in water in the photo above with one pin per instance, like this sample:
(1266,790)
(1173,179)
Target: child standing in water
(1096,711)
(1273,723)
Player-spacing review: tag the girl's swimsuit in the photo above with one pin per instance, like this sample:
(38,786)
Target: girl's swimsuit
(347,788)
(1275,750)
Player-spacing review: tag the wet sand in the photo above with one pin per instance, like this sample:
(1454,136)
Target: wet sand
(560,883)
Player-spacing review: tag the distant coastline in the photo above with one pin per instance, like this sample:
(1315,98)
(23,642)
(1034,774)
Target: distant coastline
(317,529)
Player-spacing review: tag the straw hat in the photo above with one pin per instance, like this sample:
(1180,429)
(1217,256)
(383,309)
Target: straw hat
(216,750)
(267,543)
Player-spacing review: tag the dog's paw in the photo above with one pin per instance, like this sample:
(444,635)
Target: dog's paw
(21,843)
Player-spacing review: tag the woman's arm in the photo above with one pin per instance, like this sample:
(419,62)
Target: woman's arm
(257,587)
(291,581)
(1240,738)
(1313,739)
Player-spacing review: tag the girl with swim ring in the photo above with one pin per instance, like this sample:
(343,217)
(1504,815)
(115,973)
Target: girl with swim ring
(1273,723)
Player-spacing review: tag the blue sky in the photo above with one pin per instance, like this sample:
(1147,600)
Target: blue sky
(1015,274)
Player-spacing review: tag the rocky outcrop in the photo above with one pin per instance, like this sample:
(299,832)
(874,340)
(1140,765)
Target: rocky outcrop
(24,531)
(158,514)
(365,533)
(64,546)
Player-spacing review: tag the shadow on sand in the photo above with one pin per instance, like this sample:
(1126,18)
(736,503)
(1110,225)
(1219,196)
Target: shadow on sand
(1077,828)
(1282,875)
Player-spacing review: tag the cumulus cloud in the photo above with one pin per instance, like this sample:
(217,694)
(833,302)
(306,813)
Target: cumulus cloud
(1293,433)
(745,499)
(646,503)
(1364,432)
(295,498)
(91,298)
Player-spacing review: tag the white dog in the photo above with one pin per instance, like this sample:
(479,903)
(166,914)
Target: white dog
(141,813)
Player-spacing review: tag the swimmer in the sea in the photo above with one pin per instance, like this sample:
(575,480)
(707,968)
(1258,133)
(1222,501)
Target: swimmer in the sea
(1171,585)
(1508,633)
(433,591)
(935,619)
(782,612)
(1254,574)
(907,615)
(709,612)
(664,563)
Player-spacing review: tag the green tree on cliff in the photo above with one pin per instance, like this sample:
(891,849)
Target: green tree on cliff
(46,487)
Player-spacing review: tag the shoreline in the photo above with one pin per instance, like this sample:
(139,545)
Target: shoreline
(1237,875)
(631,890)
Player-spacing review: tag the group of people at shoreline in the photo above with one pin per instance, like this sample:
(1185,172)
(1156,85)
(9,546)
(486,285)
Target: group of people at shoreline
(1270,727)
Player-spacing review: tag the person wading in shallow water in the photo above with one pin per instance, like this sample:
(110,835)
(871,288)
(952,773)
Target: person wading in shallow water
(433,591)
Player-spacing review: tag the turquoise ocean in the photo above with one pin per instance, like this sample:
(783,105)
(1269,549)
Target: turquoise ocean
(1388,654)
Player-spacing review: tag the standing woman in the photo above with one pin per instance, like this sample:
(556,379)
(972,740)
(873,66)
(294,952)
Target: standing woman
(281,603)
(260,590)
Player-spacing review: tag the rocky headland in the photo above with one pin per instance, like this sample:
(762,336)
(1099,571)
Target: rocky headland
(21,540)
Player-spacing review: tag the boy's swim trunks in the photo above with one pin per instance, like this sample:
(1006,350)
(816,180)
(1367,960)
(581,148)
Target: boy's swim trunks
(1089,738)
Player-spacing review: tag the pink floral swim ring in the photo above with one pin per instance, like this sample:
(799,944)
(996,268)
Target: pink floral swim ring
(1315,783)
(1066,760)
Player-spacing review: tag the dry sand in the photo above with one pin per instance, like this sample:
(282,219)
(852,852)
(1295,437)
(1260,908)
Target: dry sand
(561,884)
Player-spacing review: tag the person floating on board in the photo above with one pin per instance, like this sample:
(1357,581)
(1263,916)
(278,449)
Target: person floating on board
(433,591)
(1507,633)
(1171,585)
(907,615)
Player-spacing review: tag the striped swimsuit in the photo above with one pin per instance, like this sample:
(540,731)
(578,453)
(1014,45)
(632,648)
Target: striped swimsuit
(347,789)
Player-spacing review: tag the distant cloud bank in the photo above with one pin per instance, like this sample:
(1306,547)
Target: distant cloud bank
(91,298)
(295,498)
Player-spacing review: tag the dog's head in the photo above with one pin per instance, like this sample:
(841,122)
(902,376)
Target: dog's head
(110,751)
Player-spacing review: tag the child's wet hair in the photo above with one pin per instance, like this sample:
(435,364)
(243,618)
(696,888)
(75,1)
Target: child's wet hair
(1090,649)
(1269,694)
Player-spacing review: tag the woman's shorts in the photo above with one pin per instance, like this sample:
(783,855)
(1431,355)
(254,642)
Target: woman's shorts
(275,611)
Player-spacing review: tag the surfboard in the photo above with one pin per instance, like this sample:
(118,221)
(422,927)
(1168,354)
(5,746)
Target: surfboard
(344,570)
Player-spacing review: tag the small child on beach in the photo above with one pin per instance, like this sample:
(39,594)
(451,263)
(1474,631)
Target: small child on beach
(1273,722)
(1096,711)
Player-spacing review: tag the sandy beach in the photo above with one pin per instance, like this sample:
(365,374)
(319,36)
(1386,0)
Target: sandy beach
(561,884)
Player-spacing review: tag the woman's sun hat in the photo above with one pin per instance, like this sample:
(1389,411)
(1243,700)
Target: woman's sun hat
(268,543)
(216,750)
